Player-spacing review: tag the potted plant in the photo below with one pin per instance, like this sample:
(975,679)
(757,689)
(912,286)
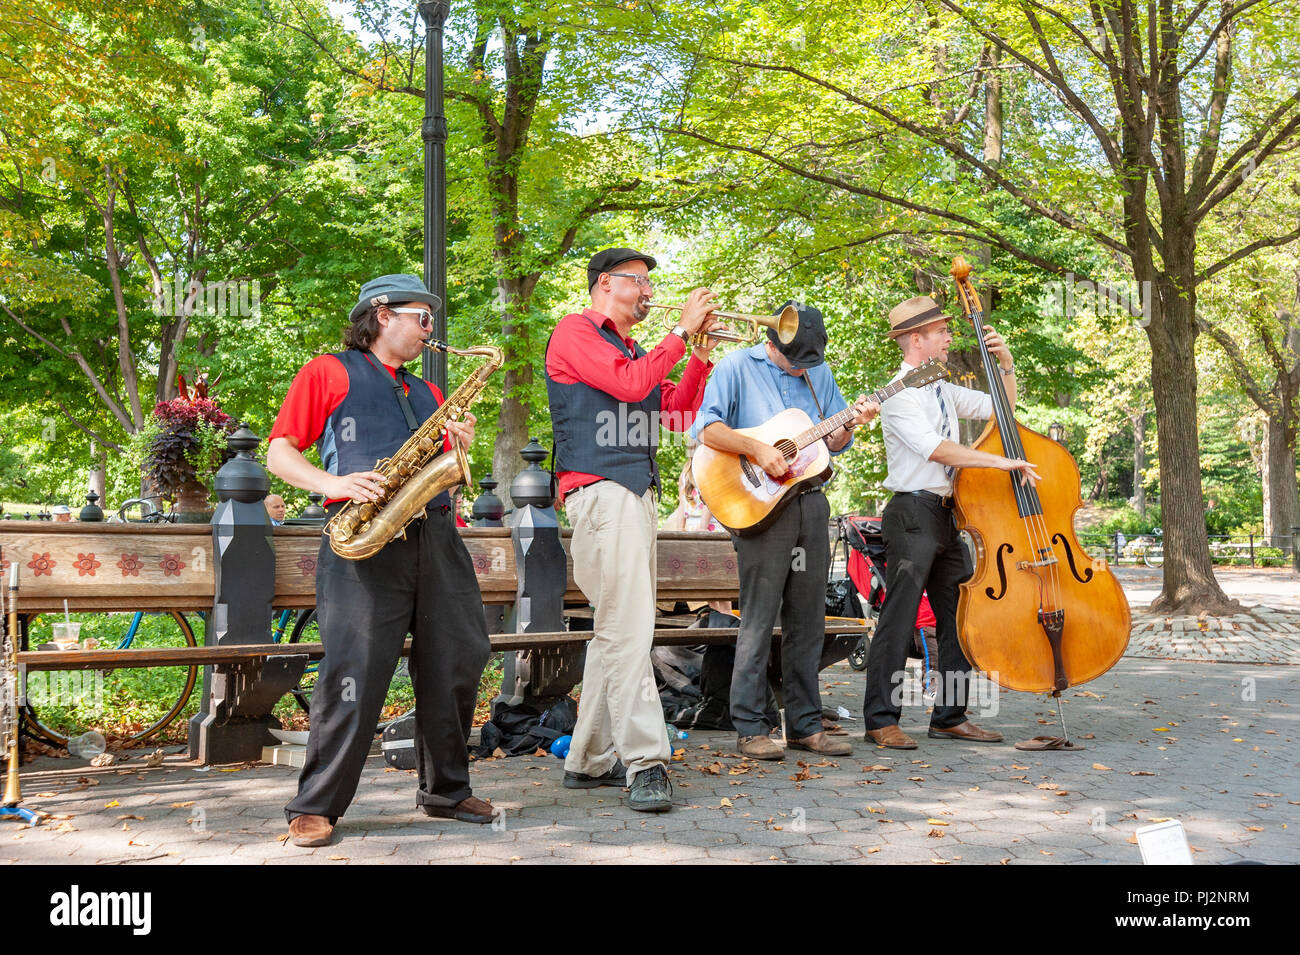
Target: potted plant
(181,446)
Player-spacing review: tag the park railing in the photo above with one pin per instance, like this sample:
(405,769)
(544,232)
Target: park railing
(1242,550)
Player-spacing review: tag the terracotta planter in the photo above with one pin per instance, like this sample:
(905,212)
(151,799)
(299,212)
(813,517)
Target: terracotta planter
(192,504)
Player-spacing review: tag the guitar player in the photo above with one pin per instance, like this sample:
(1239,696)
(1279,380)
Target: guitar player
(783,568)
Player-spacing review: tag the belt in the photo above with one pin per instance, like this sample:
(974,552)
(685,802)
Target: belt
(940,499)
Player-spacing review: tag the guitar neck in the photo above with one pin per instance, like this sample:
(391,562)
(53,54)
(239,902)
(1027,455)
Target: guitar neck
(837,421)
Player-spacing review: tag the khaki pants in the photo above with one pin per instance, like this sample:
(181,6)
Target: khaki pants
(614,565)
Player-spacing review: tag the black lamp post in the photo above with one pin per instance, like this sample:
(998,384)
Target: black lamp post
(1056,431)
(434,132)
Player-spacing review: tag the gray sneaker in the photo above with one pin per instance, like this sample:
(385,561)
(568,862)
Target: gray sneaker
(651,791)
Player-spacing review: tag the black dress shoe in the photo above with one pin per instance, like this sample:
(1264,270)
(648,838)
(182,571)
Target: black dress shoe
(617,776)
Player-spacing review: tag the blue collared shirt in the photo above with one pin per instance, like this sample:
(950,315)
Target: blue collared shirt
(746,388)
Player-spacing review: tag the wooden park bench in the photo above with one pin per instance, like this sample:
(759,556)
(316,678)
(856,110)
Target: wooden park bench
(172,567)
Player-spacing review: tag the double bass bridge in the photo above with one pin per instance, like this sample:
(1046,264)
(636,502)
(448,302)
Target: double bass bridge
(1030,564)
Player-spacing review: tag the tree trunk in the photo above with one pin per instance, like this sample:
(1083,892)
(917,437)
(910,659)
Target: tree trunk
(512,419)
(1189,582)
(1139,462)
(1281,510)
(98,475)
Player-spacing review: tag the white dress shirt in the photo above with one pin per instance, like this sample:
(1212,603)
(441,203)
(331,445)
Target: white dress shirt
(913,425)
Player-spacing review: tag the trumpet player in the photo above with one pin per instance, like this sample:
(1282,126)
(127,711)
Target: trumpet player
(608,397)
(358,406)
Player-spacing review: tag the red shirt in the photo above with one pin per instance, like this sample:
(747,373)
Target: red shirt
(317,390)
(579,354)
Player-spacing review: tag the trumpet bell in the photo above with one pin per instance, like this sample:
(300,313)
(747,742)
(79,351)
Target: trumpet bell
(787,324)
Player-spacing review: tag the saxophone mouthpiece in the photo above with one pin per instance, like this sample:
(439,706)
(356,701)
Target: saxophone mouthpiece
(435,344)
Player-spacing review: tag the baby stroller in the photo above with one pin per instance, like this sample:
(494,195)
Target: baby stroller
(865,559)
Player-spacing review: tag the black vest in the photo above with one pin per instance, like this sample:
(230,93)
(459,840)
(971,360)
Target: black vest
(595,433)
(369,424)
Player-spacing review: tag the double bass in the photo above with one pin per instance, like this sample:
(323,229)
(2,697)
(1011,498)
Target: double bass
(1038,615)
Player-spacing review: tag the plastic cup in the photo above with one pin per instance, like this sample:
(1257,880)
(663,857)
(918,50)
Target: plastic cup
(67,633)
(89,744)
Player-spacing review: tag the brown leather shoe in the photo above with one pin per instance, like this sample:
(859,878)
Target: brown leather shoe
(823,744)
(310,831)
(967,731)
(469,809)
(760,747)
(891,737)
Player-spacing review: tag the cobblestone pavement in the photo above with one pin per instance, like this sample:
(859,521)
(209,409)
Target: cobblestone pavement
(1266,631)
(1210,744)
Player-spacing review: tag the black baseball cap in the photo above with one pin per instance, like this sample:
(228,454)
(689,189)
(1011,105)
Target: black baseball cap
(612,258)
(808,347)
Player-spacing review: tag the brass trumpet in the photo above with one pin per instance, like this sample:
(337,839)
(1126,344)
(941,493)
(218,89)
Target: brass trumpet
(786,325)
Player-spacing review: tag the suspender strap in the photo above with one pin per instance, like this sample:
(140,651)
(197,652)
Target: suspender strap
(807,378)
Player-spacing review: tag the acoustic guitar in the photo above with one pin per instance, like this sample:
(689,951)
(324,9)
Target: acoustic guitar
(744,498)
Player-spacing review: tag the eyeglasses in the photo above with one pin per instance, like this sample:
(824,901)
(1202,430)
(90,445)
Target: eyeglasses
(640,280)
(426,317)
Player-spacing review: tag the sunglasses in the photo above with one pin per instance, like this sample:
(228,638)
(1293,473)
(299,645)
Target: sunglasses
(426,317)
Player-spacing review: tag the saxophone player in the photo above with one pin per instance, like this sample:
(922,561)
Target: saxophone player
(358,406)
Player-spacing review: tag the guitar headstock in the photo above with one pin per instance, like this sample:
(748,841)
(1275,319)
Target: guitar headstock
(929,372)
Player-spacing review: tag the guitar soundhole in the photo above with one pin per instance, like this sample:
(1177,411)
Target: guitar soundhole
(748,468)
(787,449)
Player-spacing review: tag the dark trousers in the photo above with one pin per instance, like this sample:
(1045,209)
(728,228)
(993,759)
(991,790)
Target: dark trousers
(423,585)
(783,570)
(924,553)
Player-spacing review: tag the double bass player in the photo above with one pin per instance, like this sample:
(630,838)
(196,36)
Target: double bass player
(922,547)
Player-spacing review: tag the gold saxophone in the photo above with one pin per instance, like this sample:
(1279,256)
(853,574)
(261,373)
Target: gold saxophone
(416,474)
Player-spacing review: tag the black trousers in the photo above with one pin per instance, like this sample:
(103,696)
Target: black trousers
(423,585)
(924,553)
(783,570)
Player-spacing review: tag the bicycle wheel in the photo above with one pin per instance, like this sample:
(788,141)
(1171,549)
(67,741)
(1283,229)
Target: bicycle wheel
(1154,556)
(401,691)
(858,655)
(127,704)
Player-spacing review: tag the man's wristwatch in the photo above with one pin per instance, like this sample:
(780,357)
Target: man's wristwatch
(681,333)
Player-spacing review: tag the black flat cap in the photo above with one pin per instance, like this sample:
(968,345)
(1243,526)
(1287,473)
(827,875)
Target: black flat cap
(611,259)
(808,348)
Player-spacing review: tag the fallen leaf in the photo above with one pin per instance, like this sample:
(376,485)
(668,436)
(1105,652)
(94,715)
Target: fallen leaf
(1254,829)
(1139,772)
(155,758)
(1100,767)
(540,752)
(939,861)
(182,805)
(935,834)
(112,805)
(120,818)
(877,768)
(1157,819)
(1133,839)
(1014,766)
(1047,786)
(724,802)
(1006,861)
(337,858)
(916,779)
(936,822)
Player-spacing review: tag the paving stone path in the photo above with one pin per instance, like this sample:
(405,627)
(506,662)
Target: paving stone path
(1212,744)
